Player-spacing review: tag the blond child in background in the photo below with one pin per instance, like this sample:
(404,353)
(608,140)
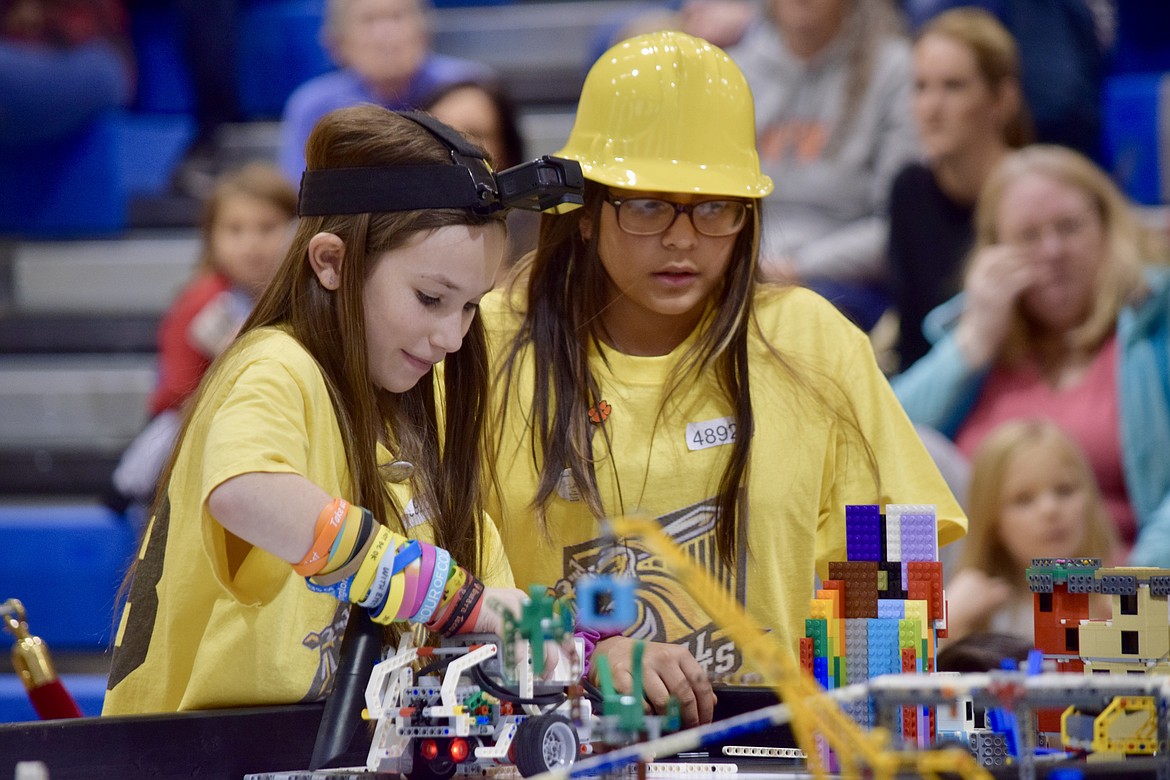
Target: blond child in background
(247,224)
(1032,495)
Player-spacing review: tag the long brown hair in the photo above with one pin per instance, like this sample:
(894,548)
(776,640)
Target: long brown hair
(565,296)
(1000,451)
(331,326)
(997,58)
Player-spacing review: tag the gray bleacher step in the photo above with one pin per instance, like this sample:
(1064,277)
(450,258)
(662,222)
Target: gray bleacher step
(86,402)
(545,132)
(136,274)
(540,49)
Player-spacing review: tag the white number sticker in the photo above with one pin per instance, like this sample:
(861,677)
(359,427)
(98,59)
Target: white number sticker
(710,433)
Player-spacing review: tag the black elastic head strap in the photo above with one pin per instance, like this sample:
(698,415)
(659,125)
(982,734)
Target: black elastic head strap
(466,183)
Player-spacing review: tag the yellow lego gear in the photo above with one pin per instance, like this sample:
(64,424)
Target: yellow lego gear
(668,112)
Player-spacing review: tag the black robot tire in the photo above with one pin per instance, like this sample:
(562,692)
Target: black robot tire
(545,742)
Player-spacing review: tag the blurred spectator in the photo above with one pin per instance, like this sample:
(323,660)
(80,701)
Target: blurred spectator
(983,651)
(969,114)
(1063,45)
(1061,319)
(831,80)
(1033,495)
(484,113)
(487,115)
(62,63)
(383,48)
(247,224)
(721,22)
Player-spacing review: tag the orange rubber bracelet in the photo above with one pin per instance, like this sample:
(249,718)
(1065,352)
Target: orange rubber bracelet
(328,525)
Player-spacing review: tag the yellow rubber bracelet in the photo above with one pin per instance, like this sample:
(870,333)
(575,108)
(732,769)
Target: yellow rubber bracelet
(360,587)
(388,613)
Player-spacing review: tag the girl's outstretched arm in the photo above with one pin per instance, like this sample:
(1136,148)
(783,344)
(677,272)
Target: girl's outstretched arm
(342,551)
(273,511)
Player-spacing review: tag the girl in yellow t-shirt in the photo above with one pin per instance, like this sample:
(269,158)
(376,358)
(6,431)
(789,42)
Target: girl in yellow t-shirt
(315,447)
(642,368)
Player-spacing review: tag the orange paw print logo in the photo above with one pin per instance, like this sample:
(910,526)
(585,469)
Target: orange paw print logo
(598,414)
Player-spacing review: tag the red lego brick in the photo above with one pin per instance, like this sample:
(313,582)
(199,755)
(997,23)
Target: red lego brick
(806,653)
(929,572)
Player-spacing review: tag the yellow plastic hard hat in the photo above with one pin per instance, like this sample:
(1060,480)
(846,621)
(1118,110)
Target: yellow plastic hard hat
(670,112)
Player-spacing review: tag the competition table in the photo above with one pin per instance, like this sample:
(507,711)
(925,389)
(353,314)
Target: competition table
(276,743)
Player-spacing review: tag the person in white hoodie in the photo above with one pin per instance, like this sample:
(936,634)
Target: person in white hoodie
(831,81)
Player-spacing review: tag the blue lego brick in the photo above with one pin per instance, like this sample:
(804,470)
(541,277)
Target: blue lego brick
(863,532)
(885,656)
(821,671)
(891,608)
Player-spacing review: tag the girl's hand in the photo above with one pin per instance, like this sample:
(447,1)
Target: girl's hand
(972,598)
(667,670)
(490,619)
(998,276)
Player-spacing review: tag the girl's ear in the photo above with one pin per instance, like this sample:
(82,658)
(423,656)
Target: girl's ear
(326,254)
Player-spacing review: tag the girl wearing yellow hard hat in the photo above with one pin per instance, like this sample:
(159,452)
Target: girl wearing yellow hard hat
(642,367)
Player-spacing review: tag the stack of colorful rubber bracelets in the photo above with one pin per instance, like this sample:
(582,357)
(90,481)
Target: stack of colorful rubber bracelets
(357,559)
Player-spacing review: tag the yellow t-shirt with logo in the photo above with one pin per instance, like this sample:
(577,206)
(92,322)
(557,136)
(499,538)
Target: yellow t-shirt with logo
(667,462)
(200,633)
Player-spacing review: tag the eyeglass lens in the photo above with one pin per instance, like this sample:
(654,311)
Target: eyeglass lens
(649,216)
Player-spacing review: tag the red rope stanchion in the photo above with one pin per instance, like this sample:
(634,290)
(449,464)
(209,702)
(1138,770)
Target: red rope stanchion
(30,658)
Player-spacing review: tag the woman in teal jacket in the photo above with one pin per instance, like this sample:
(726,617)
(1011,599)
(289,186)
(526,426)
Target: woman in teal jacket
(1060,318)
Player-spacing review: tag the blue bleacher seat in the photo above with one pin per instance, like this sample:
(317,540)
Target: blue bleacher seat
(71,188)
(65,563)
(1135,134)
(164,81)
(151,146)
(280,48)
(82,186)
(88,690)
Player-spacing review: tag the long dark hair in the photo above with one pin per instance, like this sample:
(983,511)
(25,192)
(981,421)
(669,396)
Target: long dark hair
(448,459)
(564,299)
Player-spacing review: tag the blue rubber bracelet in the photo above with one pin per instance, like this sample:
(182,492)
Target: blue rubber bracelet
(338,590)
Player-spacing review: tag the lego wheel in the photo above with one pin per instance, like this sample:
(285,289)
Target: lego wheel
(545,742)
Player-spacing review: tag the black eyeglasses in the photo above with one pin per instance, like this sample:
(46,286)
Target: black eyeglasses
(651,216)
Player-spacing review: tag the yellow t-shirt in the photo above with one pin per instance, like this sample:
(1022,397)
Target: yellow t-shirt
(197,635)
(804,468)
